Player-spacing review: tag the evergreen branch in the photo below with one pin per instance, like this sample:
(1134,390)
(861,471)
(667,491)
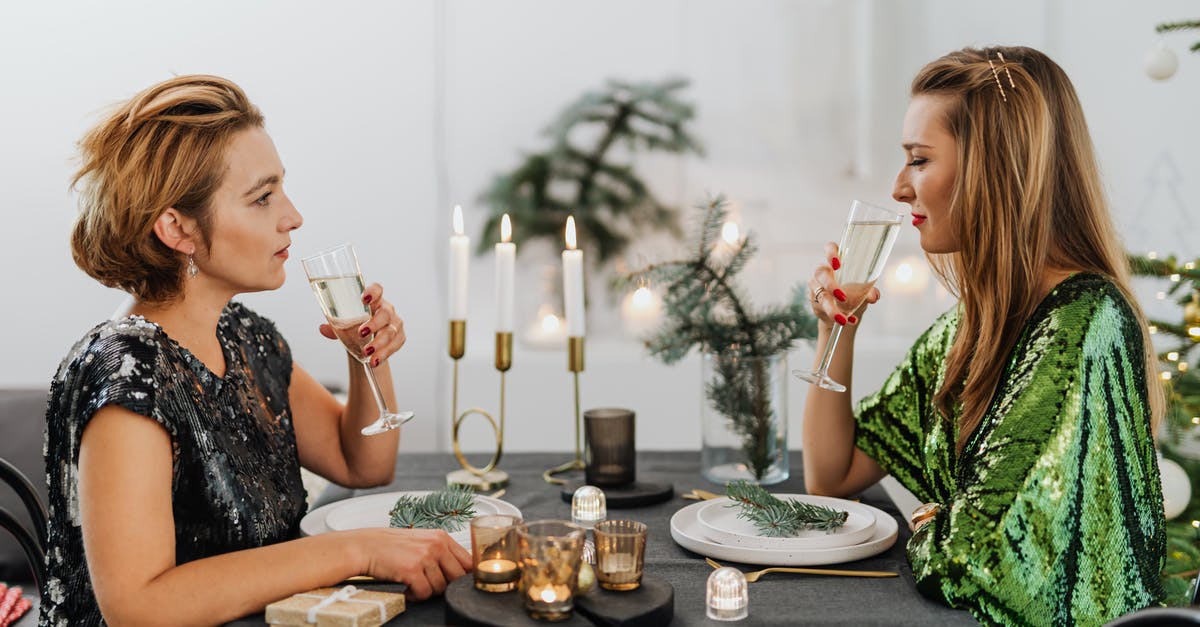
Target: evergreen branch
(1167,27)
(706,309)
(587,182)
(776,518)
(447,510)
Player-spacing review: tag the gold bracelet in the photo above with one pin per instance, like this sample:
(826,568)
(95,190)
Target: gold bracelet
(923,515)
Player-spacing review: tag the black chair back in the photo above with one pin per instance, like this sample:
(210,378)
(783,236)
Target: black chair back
(33,542)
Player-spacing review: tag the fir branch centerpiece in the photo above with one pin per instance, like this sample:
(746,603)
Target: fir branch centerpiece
(776,518)
(706,309)
(448,510)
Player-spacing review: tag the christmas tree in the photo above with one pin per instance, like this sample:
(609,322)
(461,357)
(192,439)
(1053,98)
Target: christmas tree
(1168,27)
(1176,343)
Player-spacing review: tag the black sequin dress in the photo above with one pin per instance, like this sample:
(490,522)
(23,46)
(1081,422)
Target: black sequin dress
(236,474)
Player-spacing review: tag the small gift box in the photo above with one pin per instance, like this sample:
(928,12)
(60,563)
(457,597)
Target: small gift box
(333,607)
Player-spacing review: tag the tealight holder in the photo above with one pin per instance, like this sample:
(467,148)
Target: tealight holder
(496,552)
(620,554)
(728,595)
(550,561)
(610,458)
(488,477)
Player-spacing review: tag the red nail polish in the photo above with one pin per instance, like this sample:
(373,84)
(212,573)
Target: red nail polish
(375,363)
(836,263)
(366,298)
(840,295)
(840,319)
(369,350)
(365,331)
(853,319)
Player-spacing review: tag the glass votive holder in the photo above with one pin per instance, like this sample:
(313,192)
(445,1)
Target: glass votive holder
(550,560)
(620,554)
(496,552)
(610,457)
(728,595)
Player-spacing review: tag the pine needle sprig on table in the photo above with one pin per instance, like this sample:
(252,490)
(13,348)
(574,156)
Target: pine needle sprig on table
(776,518)
(448,510)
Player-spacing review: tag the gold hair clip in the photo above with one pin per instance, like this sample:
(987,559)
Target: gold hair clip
(996,75)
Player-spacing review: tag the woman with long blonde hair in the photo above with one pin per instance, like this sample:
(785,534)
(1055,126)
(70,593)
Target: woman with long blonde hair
(1024,416)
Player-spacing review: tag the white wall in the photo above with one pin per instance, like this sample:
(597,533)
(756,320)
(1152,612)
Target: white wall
(386,114)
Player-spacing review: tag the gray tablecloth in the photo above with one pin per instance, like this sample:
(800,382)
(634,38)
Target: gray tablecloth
(780,599)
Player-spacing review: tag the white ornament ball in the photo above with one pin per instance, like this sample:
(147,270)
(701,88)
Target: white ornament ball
(1176,487)
(1161,62)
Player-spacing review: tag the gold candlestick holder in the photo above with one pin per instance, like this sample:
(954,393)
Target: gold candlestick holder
(488,477)
(575,366)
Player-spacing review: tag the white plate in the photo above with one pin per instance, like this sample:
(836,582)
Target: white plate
(687,532)
(719,519)
(373,510)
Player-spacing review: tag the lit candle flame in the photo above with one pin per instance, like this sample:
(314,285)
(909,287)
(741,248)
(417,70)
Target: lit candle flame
(505,229)
(550,323)
(458,220)
(729,232)
(548,595)
(571,232)
(642,297)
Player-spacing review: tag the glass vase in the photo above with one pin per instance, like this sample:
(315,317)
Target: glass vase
(744,418)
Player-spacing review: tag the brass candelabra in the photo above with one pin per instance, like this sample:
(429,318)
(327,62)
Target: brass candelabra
(488,477)
(575,366)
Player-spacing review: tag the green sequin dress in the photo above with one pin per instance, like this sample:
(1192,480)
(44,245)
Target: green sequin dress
(1053,512)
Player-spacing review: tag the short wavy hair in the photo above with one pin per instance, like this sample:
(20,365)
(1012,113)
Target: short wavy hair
(163,148)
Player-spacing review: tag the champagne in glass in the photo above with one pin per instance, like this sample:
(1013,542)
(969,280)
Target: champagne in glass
(870,233)
(338,284)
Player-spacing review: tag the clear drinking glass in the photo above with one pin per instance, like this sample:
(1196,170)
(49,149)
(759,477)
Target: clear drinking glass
(870,233)
(338,284)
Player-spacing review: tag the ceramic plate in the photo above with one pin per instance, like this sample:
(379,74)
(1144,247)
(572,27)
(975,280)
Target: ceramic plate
(373,510)
(687,532)
(719,518)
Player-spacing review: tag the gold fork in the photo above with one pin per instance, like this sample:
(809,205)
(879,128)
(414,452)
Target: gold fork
(751,577)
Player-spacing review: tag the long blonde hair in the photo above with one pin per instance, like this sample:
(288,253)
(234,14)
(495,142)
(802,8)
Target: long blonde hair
(1027,198)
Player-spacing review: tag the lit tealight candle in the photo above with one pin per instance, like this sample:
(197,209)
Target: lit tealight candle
(496,571)
(550,593)
(728,596)
(588,506)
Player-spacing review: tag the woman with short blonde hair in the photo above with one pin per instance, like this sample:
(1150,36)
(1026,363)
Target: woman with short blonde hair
(175,435)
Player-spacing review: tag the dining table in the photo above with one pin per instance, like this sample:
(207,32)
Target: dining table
(775,599)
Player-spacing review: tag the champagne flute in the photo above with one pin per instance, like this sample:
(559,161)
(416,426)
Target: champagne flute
(870,233)
(337,281)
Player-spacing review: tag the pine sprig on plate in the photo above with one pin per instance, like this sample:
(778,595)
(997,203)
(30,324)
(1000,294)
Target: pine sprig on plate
(776,518)
(447,510)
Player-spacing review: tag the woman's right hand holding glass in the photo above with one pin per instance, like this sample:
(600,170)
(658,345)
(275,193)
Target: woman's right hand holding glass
(832,302)
(425,559)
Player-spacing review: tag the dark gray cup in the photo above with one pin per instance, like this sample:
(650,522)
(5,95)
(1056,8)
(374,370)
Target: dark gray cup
(610,455)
